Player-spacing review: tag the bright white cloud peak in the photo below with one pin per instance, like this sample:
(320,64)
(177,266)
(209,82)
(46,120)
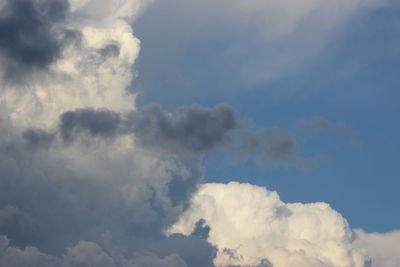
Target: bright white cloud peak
(249,224)
(87,180)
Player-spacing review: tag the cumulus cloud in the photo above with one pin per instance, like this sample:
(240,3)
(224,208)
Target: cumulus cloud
(251,226)
(382,248)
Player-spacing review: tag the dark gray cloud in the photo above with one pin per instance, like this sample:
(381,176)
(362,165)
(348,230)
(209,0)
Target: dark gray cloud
(50,205)
(278,145)
(195,251)
(110,50)
(323,125)
(102,123)
(193,129)
(87,254)
(27,36)
(265,263)
(38,138)
(50,201)
(273,143)
(201,230)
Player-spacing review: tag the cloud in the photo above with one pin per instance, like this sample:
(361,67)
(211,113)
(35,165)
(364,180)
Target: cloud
(152,260)
(86,179)
(323,125)
(193,129)
(237,45)
(274,143)
(28,38)
(250,224)
(83,254)
(102,123)
(201,230)
(278,145)
(38,138)
(382,248)
(190,130)
(91,49)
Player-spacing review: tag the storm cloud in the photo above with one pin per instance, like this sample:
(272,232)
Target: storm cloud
(28,33)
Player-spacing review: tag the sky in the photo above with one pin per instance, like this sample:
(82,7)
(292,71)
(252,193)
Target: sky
(187,133)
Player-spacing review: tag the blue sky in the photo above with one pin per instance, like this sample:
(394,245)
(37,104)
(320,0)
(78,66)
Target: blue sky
(352,76)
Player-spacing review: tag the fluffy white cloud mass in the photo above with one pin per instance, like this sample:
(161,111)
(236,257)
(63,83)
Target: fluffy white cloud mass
(382,248)
(251,226)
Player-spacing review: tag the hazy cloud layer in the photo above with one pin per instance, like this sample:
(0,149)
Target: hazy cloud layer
(237,45)
(323,125)
(274,144)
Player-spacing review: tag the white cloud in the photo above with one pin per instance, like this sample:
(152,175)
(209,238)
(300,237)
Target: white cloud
(249,223)
(382,248)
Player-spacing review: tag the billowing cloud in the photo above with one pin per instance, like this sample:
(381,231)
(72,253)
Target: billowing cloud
(250,224)
(382,248)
